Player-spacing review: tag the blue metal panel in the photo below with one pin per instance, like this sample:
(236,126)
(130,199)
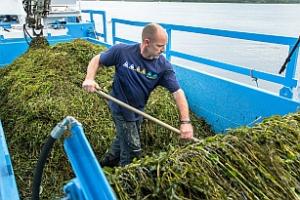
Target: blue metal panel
(79,30)
(291,67)
(72,19)
(290,73)
(113,31)
(73,190)
(86,167)
(228,104)
(10,49)
(103,14)
(5,25)
(169,44)
(8,186)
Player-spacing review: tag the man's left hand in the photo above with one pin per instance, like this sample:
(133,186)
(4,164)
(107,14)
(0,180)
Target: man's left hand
(186,131)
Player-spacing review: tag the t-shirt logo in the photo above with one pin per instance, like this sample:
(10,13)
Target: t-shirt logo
(148,74)
(151,75)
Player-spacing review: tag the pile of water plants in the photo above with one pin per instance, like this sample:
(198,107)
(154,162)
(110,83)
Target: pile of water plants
(262,162)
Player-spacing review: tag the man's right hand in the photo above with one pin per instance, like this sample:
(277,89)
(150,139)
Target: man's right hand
(90,85)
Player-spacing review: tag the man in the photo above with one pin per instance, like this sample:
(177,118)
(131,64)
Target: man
(139,69)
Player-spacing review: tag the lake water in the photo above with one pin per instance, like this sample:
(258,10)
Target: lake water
(274,19)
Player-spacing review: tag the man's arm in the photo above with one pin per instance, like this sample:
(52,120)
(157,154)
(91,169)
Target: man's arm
(89,83)
(186,128)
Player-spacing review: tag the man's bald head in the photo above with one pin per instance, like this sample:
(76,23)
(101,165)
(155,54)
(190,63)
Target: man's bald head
(152,31)
(154,40)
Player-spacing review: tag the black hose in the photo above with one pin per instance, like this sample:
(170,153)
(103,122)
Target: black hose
(38,173)
(289,56)
(26,34)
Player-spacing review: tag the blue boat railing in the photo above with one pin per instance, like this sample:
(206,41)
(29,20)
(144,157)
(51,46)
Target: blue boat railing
(288,81)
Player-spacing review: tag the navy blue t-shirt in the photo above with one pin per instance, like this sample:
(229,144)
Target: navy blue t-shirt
(135,77)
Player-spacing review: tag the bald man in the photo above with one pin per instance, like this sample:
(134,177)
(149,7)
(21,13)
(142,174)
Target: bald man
(139,69)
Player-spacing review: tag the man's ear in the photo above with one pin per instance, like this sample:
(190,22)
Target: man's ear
(147,41)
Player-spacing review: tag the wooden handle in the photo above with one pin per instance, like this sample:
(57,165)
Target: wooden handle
(117,101)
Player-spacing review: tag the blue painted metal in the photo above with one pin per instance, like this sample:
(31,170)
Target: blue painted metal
(91,180)
(229,104)
(72,19)
(10,49)
(8,186)
(73,190)
(5,25)
(290,73)
(169,47)
(79,30)
(103,14)
(113,32)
